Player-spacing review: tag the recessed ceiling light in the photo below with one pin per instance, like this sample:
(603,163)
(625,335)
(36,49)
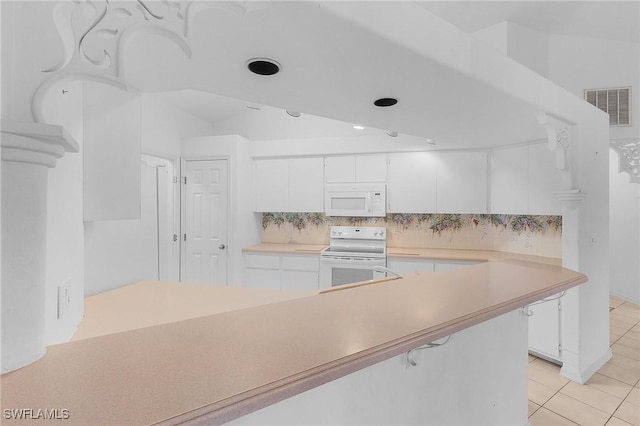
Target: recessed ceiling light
(430,141)
(293,113)
(358,127)
(385,102)
(263,66)
(392,134)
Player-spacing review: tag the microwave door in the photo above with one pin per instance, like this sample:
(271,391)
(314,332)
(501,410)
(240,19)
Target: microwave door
(352,204)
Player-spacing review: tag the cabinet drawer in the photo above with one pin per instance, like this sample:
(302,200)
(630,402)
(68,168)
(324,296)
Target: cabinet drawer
(301,263)
(299,280)
(262,261)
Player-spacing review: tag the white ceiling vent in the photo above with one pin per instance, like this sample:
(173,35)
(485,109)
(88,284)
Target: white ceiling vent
(615,101)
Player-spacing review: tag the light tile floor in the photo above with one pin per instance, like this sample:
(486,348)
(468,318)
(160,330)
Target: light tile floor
(611,397)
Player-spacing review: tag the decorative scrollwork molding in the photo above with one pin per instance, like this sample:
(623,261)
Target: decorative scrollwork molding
(90,31)
(95,34)
(628,158)
(559,141)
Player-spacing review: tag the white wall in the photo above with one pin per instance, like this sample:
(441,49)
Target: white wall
(526,46)
(495,36)
(123,251)
(244,225)
(65,234)
(625,233)
(579,63)
(164,126)
(112,141)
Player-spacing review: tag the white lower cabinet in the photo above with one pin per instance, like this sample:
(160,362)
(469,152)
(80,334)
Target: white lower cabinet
(544,330)
(281,271)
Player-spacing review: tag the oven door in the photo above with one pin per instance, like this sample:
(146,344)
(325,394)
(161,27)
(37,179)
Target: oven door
(339,270)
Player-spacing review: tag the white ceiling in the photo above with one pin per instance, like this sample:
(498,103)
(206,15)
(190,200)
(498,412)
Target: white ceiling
(334,68)
(613,20)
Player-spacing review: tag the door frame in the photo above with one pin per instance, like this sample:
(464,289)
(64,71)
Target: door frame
(154,159)
(183,209)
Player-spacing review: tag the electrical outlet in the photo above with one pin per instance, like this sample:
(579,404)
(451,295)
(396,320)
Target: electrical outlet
(64,299)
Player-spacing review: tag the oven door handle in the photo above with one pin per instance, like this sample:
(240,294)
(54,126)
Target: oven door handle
(353,260)
(387,271)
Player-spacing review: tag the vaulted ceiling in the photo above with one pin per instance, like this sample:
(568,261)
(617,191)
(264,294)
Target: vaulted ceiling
(336,62)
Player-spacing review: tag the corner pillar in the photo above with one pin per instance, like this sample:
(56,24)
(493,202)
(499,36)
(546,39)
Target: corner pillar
(28,151)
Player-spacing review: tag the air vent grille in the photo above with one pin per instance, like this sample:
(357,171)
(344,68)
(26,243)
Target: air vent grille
(615,101)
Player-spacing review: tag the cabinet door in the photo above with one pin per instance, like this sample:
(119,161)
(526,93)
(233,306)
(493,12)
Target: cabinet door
(509,180)
(462,182)
(371,168)
(544,329)
(543,179)
(271,185)
(262,278)
(300,272)
(341,169)
(411,186)
(299,280)
(261,271)
(306,185)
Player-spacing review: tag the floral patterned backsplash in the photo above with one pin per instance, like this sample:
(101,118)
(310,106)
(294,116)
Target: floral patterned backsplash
(527,234)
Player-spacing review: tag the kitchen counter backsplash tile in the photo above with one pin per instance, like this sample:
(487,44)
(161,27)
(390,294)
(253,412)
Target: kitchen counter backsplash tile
(526,234)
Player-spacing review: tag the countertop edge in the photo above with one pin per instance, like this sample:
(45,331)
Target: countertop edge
(257,398)
(446,254)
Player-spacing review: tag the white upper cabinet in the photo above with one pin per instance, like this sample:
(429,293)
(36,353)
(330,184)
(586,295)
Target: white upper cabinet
(289,185)
(371,168)
(306,184)
(356,169)
(523,180)
(509,178)
(411,185)
(271,185)
(544,180)
(341,169)
(461,182)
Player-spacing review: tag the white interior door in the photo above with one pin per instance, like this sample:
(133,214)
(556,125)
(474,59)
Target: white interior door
(205,225)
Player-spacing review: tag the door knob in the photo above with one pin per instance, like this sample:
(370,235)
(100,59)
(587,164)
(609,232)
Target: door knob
(222,247)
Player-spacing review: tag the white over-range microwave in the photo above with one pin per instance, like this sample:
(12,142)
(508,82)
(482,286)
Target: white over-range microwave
(368,200)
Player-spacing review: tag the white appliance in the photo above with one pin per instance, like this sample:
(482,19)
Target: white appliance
(346,199)
(352,255)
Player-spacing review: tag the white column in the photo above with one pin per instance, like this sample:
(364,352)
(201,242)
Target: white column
(28,150)
(576,304)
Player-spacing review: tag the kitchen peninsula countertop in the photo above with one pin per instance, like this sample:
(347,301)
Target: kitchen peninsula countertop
(285,248)
(227,364)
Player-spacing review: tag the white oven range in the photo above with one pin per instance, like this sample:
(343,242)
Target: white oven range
(352,254)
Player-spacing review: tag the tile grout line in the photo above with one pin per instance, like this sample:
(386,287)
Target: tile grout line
(588,405)
(627,328)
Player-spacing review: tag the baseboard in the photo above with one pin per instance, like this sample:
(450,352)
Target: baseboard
(572,371)
(624,297)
